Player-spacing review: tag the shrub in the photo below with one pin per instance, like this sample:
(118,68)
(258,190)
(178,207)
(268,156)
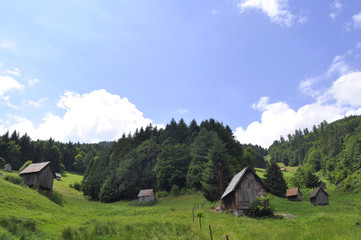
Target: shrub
(14,179)
(77,186)
(25,165)
(161,194)
(57,198)
(260,207)
(2,162)
(174,191)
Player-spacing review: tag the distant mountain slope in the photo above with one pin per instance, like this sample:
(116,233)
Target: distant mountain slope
(334,148)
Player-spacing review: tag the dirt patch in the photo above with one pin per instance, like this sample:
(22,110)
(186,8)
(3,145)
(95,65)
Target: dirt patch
(285,215)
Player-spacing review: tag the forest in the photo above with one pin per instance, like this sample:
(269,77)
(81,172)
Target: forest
(178,158)
(333,149)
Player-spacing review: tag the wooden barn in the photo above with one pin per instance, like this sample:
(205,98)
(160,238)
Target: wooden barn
(7,167)
(242,191)
(319,197)
(294,194)
(38,175)
(146,195)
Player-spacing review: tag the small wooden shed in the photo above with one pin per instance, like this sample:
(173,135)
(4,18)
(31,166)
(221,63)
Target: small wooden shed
(7,167)
(241,192)
(284,169)
(146,195)
(38,175)
(58,176)
(294,194)
(319,197)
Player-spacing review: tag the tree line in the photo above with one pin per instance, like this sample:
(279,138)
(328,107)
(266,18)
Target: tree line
(17,150)
(202,157)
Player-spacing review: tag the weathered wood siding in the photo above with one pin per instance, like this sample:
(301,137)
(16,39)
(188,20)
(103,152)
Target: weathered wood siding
(147,198)
(228,202)
(320,199)
(297,197)
(247,190)
(43,179)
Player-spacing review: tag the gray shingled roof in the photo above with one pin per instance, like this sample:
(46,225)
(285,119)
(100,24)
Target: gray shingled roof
(34,168)
(236,179)
(315,192)
(145,193)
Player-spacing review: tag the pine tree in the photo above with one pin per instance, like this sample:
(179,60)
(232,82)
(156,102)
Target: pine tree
(312,180)
(275,181)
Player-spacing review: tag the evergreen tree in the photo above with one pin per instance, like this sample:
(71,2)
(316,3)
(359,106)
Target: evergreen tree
(216,175)
(274,180)
(312,181)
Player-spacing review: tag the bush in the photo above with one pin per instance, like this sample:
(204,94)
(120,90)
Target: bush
(161,194)
(260,207)
(57,198)
(77,186)
(174,191)
(2,162)
(25,165)
(14,179)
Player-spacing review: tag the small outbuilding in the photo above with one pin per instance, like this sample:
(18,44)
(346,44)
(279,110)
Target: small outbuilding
(7,167)
(319,197)
(284,169)
(58,176)
(38,175)
(294,194)
(241,192)
(146,195)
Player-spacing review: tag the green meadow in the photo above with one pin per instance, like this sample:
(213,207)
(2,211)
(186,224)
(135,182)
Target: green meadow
(26,214)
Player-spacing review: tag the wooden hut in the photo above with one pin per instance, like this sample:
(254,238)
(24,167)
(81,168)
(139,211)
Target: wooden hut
(242,191)
(294,194)
(319,197)
(38,175)
(7,167)
(284,169)
(58,176)
(146,195)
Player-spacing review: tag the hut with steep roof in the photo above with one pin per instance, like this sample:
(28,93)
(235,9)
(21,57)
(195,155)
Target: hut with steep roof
(294,194)
(319,197)
(241,192)
(7,167)
(146,195)
(38,175)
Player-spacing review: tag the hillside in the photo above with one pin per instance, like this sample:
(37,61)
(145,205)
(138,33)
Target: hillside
(35,217)
(334,148)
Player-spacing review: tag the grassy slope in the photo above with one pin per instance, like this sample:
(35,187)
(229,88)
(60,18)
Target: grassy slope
(171,218)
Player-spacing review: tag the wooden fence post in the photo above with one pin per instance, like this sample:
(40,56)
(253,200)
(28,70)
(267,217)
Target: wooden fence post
(210,231)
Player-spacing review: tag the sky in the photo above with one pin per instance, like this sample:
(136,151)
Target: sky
(90,71)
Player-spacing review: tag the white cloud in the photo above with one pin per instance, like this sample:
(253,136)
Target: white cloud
(182,111)
(276,10)
(37,103)
(341,98)
(6,44)
(33,81)
(15,72)
(336,8)
(8,83)
(87,118)
(357,20)
(214,12)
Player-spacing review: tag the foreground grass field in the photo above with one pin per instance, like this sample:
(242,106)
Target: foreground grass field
(25,214)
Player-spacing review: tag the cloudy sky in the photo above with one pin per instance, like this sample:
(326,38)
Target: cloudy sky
(90,70)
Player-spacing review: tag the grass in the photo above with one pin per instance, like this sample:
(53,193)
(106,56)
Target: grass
(25,210)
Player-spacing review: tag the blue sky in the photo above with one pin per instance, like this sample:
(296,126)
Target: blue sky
(90,70)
